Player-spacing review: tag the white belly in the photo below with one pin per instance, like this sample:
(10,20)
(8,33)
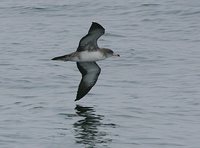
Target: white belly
(91,56)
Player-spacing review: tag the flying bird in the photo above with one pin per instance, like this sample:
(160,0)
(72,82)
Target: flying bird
(86,55)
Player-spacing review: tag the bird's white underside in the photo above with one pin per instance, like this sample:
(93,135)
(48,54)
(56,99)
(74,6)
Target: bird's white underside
(86,56)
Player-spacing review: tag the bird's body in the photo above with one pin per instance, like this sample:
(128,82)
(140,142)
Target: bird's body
(83,56)
(87,53)
(87,56)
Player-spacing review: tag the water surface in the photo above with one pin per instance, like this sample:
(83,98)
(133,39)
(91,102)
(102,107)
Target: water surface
(149,97)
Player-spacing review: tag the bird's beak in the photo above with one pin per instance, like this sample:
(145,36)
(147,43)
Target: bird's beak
(116,55)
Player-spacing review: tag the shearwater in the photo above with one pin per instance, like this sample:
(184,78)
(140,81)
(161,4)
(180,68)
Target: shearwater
(86,56)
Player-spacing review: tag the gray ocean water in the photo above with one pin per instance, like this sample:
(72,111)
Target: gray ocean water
(147,98)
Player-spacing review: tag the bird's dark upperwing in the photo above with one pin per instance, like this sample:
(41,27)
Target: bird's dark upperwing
(90,72)
(89,42)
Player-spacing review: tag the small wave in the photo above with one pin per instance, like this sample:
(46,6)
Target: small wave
(149,5)
(190,13)
(114,35)
(28,9)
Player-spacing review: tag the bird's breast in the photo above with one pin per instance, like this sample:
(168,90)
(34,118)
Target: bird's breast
(91,56)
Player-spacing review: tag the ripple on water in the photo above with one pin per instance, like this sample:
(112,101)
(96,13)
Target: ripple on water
(149,97)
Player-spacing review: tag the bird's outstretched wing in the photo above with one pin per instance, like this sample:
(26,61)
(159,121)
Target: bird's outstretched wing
(89,42)
(90,72)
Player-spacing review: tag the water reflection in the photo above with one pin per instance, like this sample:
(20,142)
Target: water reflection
(87,130)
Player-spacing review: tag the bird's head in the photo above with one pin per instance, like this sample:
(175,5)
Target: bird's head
(109,53)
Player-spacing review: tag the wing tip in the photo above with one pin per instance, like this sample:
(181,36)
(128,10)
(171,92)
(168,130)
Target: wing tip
(78,97)
(97,25)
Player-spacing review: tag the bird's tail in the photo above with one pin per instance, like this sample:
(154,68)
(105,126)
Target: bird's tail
(62,58)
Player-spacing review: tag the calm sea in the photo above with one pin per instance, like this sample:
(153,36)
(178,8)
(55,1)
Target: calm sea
(147,98)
